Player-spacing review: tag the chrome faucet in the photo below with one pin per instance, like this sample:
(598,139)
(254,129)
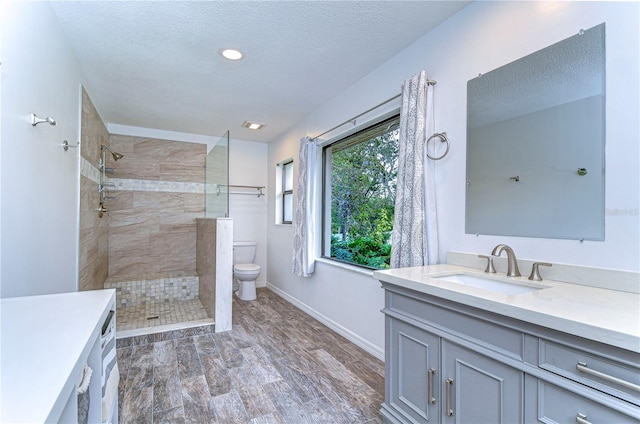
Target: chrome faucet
(512,263)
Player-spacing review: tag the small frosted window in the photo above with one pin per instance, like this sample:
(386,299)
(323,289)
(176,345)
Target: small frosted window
(288,208)
(286,199)
(288,176)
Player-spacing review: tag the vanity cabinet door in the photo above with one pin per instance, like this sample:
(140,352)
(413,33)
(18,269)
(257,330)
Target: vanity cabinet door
(478,389)
(412,388)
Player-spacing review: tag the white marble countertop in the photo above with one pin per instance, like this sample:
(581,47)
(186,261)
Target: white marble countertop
(607,316)
(43,343)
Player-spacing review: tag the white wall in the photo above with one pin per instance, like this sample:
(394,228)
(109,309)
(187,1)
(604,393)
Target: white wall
(40,181)
(248,166)
(346,300)
(531,26)
(482,37)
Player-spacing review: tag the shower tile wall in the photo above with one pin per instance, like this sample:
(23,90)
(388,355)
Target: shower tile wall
(206,263)
(158,195)
(93,261)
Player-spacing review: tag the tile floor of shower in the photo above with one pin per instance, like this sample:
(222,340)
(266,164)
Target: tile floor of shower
(157,303)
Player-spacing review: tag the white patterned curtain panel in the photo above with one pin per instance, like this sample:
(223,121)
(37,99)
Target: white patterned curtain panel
(304,220)
(415,237)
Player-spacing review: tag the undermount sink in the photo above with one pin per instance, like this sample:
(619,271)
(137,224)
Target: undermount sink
(488,283)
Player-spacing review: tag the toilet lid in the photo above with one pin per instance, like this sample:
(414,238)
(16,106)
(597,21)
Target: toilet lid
(246,267)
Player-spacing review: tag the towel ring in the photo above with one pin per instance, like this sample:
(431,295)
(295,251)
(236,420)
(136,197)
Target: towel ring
(443,138)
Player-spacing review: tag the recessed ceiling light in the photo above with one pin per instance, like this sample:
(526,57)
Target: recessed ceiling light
(231,54)
(253,125)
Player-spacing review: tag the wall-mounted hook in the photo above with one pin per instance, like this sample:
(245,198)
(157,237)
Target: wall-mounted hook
(36,120)
(66,145)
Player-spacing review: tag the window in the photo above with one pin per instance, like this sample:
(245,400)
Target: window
(359,187)
(284,192)
(287,192)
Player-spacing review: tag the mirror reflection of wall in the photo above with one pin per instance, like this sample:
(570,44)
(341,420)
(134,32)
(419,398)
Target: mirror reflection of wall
(535,143)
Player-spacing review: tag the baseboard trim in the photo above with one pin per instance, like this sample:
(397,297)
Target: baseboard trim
(338,328)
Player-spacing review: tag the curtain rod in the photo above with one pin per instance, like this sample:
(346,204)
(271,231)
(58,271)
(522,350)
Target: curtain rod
(352,120)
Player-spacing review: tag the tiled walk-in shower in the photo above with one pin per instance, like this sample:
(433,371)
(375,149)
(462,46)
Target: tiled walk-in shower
(138,211)
(157,314)
(157,303)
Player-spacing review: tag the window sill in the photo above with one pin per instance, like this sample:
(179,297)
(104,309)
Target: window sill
(352,268)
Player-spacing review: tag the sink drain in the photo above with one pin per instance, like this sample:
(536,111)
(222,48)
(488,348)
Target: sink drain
(153,317)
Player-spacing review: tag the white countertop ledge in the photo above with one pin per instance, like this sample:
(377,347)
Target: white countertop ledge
(42,342)
(607,316)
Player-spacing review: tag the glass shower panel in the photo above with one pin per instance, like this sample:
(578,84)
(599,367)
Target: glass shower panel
(217,179)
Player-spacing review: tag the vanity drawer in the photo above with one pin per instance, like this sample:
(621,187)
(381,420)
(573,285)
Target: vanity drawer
(556,405)
(600,372)
(501,339)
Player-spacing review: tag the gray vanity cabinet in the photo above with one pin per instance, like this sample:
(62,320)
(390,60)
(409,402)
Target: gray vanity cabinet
(450,363)
(431,379)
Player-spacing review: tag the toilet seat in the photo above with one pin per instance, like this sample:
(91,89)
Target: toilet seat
(246,268)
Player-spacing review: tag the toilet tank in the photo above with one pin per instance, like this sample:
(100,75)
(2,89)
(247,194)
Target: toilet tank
(244,252)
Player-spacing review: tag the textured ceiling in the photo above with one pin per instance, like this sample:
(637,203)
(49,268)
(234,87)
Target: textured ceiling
(155,64)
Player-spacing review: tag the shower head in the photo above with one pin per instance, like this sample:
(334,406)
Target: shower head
(115,155)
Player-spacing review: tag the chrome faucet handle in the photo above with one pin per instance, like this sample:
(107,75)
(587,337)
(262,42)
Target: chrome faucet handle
(489,267)
(535,271)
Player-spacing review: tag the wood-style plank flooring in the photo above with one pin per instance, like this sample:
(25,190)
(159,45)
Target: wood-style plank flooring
(277,365)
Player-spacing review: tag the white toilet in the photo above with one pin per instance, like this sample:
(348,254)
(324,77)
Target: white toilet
(245,272)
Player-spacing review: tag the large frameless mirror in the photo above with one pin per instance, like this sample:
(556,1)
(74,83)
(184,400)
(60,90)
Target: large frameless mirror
(535,143)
